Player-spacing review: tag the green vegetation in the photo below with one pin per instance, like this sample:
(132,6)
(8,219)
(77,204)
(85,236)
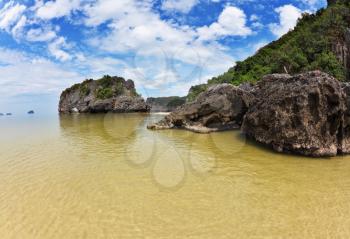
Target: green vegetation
(176,101)
(308,47)
(104,93)
(109,86)
(84,88)
(195,91)
(134,93)
(104,88)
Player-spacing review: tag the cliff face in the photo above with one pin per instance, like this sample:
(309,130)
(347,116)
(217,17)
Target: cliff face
(108,94)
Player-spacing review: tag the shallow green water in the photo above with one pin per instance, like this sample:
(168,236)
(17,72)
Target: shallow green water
(106,176)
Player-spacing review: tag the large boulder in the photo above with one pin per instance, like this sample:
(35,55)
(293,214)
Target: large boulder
(221,107)
(305,114)
(109,94)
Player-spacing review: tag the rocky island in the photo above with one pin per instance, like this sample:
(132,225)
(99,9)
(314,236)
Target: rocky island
(108,94)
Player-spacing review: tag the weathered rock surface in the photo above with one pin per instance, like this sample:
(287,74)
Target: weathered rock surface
(221,107)
(109,94)
(307,114)
(165,104)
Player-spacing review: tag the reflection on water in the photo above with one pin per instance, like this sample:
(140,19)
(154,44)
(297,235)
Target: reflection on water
(106,176)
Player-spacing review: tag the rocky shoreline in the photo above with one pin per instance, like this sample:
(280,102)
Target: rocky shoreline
(306,114)
(221,107)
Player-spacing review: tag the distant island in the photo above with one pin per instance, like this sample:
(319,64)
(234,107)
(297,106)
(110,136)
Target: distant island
(108,94)
(112,94)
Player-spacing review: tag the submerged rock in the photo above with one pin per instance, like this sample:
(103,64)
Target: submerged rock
(31,112)
(109,94)
(307,114)
(221,107)
(8,114)
(1,114)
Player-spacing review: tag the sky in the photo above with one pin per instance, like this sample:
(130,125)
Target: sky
(165,46)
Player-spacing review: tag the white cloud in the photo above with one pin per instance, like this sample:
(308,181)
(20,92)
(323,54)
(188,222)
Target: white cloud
(288,17)
(135,28)
(167,54)
(56,48)
(10,14)
(184,6)
(231,22)
(103,10)
(17,30)
(56,9)
(27,74)
(254,18)
(40,35)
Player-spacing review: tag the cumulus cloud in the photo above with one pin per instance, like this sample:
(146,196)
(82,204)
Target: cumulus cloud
(23,74)
(288,17)
(10,14)
(183,6)
(231,22)
(40,34)
(137,29)
(56,9)
(56,48)
(17,30)
(160,52)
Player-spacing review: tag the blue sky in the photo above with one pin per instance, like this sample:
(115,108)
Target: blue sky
(165,46)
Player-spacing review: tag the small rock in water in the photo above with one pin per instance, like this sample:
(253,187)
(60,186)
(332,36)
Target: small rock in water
(8,114)
(31,112)
(1,114)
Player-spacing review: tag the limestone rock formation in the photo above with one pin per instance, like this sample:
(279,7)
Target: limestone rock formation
(307,114)
(109,94)
(221,107)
